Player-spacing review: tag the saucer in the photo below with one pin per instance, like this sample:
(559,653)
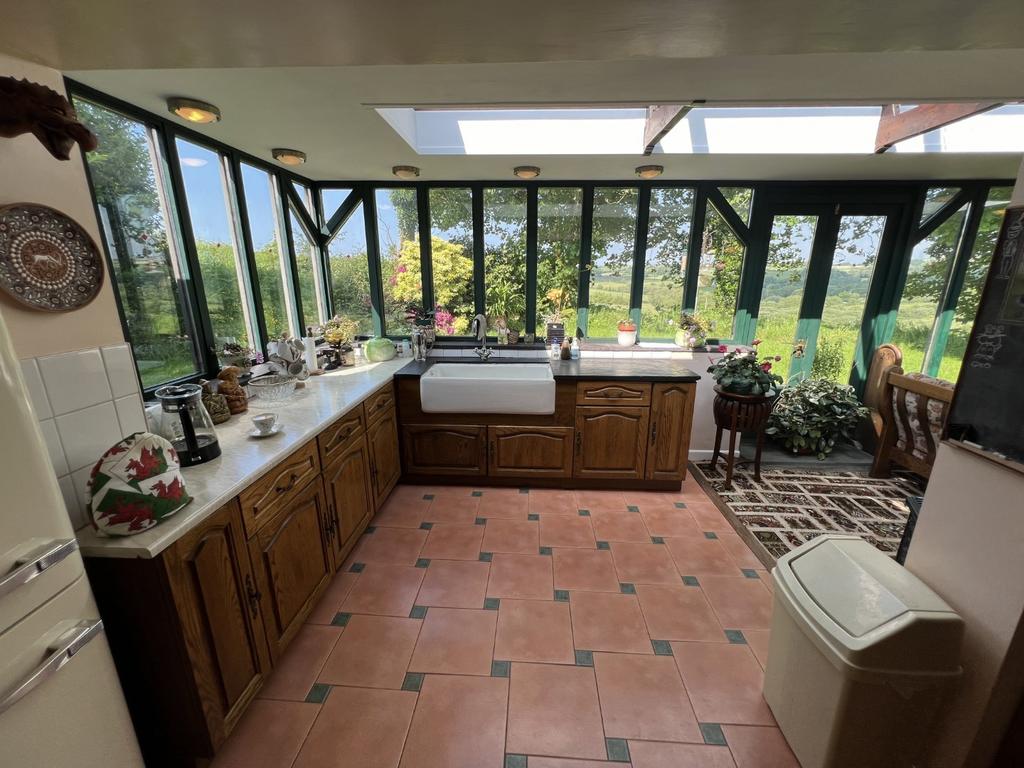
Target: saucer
(277,428)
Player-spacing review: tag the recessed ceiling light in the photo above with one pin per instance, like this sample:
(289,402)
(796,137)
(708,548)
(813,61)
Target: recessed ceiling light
(406,171)
(193,110)
(288,156)
(526,171)
(649,171)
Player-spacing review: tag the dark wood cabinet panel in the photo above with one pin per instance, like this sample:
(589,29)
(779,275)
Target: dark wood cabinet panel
(379,403)
(274,490)
(442,449)
(338,437)
(613,393)
(349,497)
(671,419)
(293,561)
(611,442)
(530,451)
(385,462)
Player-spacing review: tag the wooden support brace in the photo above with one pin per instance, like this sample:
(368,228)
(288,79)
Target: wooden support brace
(661,118)
(895,126)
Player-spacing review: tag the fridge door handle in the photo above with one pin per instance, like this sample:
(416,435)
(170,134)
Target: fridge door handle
(27,568)
(59,654)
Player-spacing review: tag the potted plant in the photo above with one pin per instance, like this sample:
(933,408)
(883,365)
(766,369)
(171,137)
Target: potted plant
(814,415)
(740,373)
(692,332)
(340,332)
(627,333)
(233,353)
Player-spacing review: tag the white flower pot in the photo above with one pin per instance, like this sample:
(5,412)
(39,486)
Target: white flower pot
(627,338)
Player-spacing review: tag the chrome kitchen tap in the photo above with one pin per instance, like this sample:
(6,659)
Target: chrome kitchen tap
(479,329)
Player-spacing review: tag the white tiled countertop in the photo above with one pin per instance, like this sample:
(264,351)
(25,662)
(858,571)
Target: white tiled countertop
(243,459)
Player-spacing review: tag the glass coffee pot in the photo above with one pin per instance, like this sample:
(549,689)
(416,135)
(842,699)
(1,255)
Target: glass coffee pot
(186,424)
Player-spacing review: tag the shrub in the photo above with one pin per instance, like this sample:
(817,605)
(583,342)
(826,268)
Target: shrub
(813,415)
(829,361)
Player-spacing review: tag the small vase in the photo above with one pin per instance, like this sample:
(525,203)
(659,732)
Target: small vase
(627,338)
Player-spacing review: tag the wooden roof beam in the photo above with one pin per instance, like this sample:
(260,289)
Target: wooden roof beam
(895,126)
(661,118)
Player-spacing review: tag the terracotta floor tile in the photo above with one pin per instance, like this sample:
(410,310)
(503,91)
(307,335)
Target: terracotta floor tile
(554,711)
(459,723)
(359,726)
(454,584)
(708,517)
(642,697)
(534,630)
(606,622)
(269,735)
(566,531)
(619,526)
(373,652)
(329,605)
(766,579)
(590,570)
(644,563)
(651,499)
(601,501)
(754,747)
(410,493)
(678,613)
(453,508)
(553,502)
(740,552)
(521,576)
(740,603)
(568,762)
(669,521)
(455,641)
(514,536)
(390,546)
(298,669)
(384,590)
(757,639)
(724,682)
(500,494)
(652,754)
(512,507)
(402,513)
(453,541)
(699,556)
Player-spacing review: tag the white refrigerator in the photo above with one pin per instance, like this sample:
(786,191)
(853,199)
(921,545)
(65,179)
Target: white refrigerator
(60,698)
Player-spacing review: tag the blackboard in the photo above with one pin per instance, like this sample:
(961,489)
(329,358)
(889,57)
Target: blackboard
(988,406)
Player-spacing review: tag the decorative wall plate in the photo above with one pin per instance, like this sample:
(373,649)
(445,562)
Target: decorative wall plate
(47,260)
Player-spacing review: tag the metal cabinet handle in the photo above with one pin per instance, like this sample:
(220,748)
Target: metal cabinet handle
(654,433)
(292,479)
(579,441)
(27,568)
(253,595)
(59,654)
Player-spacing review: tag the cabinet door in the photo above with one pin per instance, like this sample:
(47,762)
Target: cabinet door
(219,608)
(671,418)
(529,451)
(293,560)
(443,449)
(385,464)
(611,443)
(347,483)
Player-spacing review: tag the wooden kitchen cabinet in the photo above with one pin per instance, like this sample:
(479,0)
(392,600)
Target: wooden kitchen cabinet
(611,442)
(293,562)
(529,451)
(444,449)
(349,497)
(385,462)
(278,487)
(671,419)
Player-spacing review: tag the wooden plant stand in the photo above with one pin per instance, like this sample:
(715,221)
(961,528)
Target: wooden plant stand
(739,413)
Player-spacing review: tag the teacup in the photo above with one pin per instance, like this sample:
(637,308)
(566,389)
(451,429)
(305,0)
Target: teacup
(265,423)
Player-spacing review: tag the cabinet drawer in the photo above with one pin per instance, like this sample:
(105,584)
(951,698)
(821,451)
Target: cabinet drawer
(613,393)
(379,403)
(530,451)
(278,486)
(341,436)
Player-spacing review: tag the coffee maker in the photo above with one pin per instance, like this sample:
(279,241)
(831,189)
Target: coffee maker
(186,424)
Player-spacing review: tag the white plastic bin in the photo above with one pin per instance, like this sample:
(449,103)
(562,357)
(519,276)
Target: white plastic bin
(861,655)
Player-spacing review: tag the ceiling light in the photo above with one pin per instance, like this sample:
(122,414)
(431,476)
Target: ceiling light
(526,171)
(193,110)
(649,171)
(406,171)
(288,156)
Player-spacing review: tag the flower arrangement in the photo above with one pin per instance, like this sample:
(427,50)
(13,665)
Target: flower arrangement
(339,331)
(692,332)
(814,415)
(741,373)
(233,353)
(627,325)
(417,315)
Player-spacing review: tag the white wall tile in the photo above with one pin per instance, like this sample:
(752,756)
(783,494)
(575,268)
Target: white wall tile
(80,481)
(130,414)
(120,370)
(87,433)
(622,355)
(71,500)
(75,380)
(36,390)
(54,447)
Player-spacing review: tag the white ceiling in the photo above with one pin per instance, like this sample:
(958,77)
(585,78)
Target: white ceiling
(307,75)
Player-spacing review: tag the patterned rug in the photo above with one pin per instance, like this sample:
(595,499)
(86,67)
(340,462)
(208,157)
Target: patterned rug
(792,505)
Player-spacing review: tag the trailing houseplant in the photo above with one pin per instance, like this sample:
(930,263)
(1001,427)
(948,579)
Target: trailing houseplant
(740,372)
(812,416)
(692,332)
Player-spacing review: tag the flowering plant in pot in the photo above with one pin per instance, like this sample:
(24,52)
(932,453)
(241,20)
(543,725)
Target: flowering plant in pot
(627,333)
(740,372)
(692,332)
(814,415)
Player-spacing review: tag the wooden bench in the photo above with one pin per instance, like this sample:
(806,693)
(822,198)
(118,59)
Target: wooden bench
(913,410)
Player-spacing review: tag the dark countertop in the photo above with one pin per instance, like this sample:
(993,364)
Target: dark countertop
(592,368)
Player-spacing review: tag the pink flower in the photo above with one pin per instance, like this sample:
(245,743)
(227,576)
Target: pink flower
(766,366)
(722,348)
(755,342)
(777,358)
(402,269)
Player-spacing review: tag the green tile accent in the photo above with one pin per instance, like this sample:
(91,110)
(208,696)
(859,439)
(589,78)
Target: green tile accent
(480,521)
(626,588)
(357,568)
(524,490)
(712,733)
(618,750)
(584,658)
(426,526)
(423,562)
(318,693)
(428,497)
(603,545)
(735,636)
(750,573)
(485,557)
(418,612)
(492,603)
(691,581)
(632,508)
(370,529)
(533,516)
(477,494)
(661,647)
(545,550)
(413,681)
(657,540)
(515,761)
(710,535)
(501,668)
(562,595)
(680,505)
(584,512)
(341,619)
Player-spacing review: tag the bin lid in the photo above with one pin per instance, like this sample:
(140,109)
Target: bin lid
(870,610)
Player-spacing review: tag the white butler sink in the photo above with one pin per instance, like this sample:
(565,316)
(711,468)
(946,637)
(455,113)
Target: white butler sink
(488,388)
